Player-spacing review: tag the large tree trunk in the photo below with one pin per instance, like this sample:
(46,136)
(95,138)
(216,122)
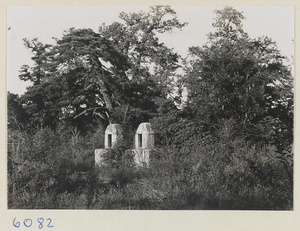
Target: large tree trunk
(105,93)
(103,86)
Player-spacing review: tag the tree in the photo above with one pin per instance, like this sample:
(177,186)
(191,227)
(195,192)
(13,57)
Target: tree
(87,75)
(234,76)
(153,64)
(70,79)
(138,38)
(16,115)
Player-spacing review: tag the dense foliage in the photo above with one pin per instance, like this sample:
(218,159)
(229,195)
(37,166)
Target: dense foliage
(244,79)
(228,147)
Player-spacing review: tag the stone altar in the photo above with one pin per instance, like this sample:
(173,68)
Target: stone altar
(113,134)
(144,144)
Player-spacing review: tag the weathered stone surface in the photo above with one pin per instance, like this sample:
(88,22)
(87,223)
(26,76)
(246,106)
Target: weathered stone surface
(142,157)
(99,156)
(113,133)
(144,136)
(144,144)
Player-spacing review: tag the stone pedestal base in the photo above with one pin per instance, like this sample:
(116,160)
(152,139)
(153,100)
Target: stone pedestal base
(99,156)
(142,157)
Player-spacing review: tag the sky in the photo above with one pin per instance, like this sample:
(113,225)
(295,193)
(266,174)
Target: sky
(46,22)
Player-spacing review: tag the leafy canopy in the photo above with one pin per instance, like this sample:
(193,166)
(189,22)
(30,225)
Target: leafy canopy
(234,76)
(87,77)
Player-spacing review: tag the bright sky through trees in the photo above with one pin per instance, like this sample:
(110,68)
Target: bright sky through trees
(46,22)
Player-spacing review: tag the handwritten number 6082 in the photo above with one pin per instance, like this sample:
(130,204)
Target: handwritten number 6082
(28,223)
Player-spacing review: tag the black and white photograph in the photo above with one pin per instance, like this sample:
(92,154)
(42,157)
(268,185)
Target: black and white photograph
(158,107)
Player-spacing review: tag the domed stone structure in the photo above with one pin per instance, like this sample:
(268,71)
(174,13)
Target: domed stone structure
(144,136)
(113,134)
(144,144)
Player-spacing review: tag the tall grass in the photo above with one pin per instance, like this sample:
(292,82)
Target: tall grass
(47,171)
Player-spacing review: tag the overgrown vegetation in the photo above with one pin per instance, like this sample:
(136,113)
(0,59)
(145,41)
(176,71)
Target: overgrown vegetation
(229,147)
